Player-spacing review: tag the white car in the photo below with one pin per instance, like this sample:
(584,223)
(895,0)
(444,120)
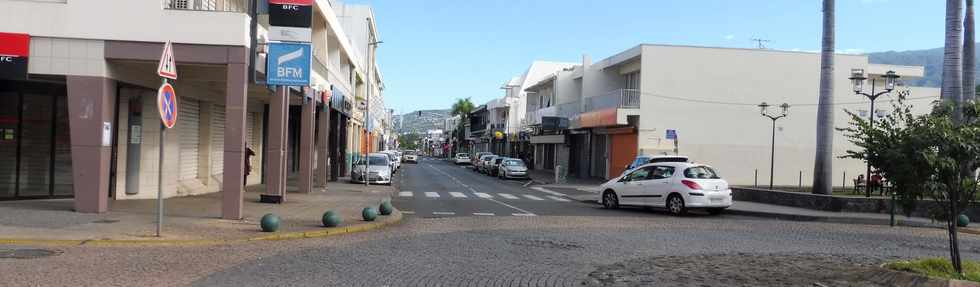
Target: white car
(378,170)
(393,159)
(676,186)
(462,158)
(410,156)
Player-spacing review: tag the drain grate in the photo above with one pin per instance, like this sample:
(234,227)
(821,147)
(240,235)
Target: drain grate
(27,253)
(545,243)
(106,221)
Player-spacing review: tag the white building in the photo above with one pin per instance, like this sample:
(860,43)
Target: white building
(623,105)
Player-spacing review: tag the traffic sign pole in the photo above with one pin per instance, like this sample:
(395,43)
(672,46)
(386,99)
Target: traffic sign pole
(163,136)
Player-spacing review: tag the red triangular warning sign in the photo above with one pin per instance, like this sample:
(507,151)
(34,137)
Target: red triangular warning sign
(168,67)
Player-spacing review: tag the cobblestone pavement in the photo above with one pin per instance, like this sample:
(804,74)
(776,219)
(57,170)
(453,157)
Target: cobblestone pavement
(508,251)
(576,251)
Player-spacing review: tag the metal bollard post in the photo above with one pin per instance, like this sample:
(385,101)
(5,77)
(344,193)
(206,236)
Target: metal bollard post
(756,184)
(800,186)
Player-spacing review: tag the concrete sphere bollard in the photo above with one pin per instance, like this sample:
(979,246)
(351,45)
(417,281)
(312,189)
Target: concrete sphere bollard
(962,220)
(369,214)
(386,208)
(269,222)
(331,219)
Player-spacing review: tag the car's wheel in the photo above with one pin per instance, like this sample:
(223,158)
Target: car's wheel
(715,211)
(610,200)
(675,204)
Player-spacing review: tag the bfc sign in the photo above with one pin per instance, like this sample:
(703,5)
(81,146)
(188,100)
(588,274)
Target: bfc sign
(14,49)
(289,64)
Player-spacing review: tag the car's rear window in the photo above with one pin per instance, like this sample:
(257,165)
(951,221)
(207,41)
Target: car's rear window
(513,162)
(668,159)
(411,152)
(701,172)
(462,155)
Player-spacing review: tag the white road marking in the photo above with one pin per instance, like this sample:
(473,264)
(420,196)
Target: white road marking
(457,194)
(405,194)
(490,199)
(523,214)
(507,195)
(443,213)
(408,212)
(542,189)
(532,197)
(558,198)
(483,195)
(483,214)
(431,194)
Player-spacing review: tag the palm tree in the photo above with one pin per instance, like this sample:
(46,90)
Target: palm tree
(461,108)
(969,64)
(823,164)
(952,92)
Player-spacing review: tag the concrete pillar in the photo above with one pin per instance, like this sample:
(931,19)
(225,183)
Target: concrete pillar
(233,195)
(276,149)
(322,174)
(90,107)
(306,150)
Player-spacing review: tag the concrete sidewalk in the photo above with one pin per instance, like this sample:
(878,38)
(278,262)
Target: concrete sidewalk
(547,177)
(191,219)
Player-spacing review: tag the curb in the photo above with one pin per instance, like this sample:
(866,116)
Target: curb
(396,217)
(830,219)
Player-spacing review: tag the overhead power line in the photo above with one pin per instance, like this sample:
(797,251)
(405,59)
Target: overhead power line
(714,102)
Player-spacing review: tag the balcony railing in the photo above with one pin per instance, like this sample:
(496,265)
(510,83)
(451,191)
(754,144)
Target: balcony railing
(208,5)
(566,110)
(620,99)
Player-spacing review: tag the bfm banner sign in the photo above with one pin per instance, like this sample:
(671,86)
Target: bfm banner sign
(289,64)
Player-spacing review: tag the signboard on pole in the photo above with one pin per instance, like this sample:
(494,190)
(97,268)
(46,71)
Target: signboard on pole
(14,50)
(671,134)
(289,64)
(167,104)
(290,20)
(168,66)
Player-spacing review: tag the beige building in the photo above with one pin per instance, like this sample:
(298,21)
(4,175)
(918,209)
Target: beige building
(81,121)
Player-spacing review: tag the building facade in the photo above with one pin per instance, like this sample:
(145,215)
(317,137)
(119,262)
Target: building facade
(624,105)
(91,86)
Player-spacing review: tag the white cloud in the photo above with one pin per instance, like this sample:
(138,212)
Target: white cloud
(729,37)
(851,51)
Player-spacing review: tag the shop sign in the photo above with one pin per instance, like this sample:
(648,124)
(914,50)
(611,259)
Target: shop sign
(14,50)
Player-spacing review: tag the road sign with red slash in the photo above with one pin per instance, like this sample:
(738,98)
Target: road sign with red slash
(167,104)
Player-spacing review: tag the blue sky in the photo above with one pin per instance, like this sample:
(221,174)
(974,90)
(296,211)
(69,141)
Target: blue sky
(435,51)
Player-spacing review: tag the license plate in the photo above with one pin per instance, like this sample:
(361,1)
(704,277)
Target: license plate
(716,200)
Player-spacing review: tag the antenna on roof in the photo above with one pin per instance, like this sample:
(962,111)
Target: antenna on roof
(761,42)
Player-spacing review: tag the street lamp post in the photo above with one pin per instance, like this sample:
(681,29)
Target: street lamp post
(857,80)
(764,110)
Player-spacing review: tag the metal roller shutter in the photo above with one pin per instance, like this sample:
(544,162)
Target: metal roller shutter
(217,139)
(250,126)
(190,137)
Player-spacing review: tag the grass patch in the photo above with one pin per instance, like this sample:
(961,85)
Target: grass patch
(938,268)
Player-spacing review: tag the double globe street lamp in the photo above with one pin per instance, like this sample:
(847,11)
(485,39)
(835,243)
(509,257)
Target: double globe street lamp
(857,80)
(764,110)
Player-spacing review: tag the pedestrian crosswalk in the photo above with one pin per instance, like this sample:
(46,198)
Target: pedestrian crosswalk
(482,195)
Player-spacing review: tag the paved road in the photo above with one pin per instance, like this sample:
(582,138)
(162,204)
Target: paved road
(565,243)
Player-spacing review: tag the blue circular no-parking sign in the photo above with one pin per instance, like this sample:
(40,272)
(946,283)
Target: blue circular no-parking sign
(167,104)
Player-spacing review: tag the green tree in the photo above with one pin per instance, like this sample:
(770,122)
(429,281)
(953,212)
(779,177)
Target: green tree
(461,108)
(925,156)
(409,141)
(823,164)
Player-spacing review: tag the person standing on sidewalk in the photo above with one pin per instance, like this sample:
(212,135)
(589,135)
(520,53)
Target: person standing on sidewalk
(249,153)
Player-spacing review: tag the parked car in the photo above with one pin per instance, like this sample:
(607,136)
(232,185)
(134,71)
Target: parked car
(645,159)
(462,158)
(394,160)
(378,169)
(477,159)
(494,165)
(486,163)
(410,156)
(512,168)
(676,186)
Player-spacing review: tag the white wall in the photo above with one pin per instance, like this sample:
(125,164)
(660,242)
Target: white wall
(735,138)
(129,20)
